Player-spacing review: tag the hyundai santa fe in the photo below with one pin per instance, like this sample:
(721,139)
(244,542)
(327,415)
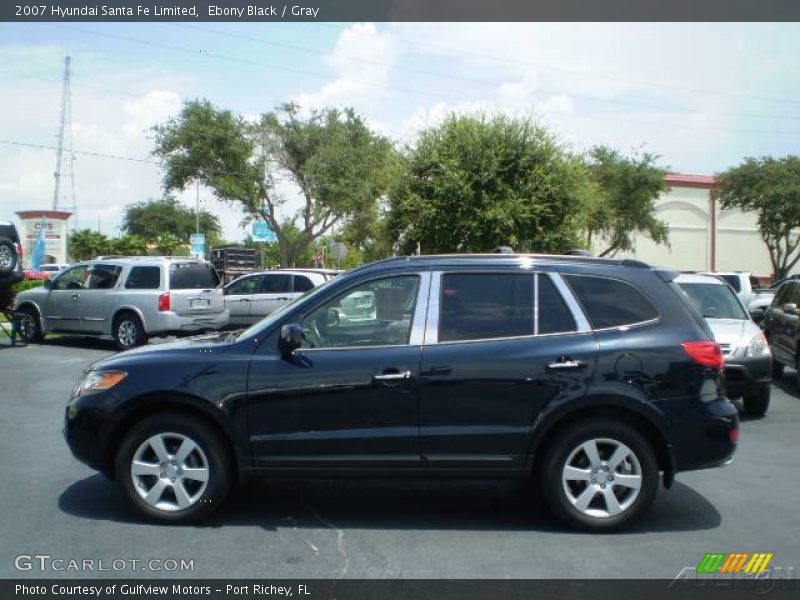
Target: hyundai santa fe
(596,377)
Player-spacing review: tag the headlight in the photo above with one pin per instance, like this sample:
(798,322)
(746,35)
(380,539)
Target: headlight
(98,381)
(758,346)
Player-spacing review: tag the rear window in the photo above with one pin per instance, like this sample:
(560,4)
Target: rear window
(479,306)
(302,283)
(276,284)
(144,278)
(610,302)
(192,276)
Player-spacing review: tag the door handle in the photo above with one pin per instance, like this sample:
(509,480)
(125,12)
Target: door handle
(399,376)
(244,299)
(564,364)
(281,298)
(75,296)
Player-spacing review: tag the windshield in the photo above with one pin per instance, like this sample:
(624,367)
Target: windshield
(269,320)
(714,301)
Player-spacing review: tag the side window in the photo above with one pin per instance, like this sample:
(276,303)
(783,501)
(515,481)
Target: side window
(245,285)
(376,313)
(275,283)
(144,278)
(794,294)
(479,306)
(302,283)
(71,279)
(102,277)
(553,313)
(783,293)
(610,302)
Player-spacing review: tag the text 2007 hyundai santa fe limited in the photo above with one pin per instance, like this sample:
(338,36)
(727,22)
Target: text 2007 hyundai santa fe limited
(596,377)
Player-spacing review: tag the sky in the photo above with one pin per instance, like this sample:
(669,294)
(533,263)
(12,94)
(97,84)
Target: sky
(701,96)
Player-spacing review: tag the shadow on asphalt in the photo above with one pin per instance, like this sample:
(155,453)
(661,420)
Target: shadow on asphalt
(396,504)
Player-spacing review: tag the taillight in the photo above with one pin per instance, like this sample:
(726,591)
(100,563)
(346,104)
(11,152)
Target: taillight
(733,435)
(164,302)
(706,354)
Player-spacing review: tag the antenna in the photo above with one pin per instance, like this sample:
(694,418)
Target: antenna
(65,158)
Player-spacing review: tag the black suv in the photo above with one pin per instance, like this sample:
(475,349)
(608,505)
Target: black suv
(592,375)
(782,327)
(10,254)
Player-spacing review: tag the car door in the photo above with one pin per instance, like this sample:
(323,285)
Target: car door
(276,290)
(92,304)
(239,296)
(61,311)
(783,326)
(498,348)
(346,398)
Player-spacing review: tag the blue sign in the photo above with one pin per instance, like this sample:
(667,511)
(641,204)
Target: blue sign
(262,232)
(197,242)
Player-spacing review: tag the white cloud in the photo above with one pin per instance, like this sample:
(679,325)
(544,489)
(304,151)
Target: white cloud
(362,61)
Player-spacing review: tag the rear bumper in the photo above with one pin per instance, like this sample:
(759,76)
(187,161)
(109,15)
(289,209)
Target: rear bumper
(742,376)
(173,322)
(706,435)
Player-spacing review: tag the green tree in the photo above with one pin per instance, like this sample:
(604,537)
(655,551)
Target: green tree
(87,244)
(129,245)
(168,244)
(152,218)
(626,190)
(474,183)
(331,160)
(771,188)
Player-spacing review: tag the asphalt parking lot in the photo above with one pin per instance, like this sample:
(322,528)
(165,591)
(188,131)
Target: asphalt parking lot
(54,505)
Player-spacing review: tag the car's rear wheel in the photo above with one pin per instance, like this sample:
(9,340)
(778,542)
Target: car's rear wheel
(30,327)
(599,475)
(756,402)
(128,331)
(173,468)
(8,257)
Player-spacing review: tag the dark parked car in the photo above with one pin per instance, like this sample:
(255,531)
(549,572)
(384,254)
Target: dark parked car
(596,377)
(782,327)
(10,254)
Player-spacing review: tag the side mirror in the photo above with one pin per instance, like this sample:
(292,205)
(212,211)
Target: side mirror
(789,307)
(47,284)
(290,339)
(757,314)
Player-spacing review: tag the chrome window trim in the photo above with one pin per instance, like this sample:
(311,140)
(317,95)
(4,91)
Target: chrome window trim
(417,335)
(536,304)
(572,302)
(432,321)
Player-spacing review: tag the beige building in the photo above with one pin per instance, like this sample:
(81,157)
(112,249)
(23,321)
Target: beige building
(701,236)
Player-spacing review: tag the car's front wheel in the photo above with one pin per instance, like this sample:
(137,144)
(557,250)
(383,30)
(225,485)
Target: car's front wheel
(173,468)
(599,475)
(756,402)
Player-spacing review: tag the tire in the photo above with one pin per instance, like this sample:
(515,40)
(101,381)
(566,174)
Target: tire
(128,331)
(756,402)
(30,327)
(8,257)
(565,494)
(777,369)
(175,497)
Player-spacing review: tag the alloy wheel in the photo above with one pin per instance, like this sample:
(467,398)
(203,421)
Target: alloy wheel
(6,258)
(170,471)
(126,333)
(602,478)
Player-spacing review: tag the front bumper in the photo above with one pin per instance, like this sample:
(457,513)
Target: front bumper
(747,375)
(87,425)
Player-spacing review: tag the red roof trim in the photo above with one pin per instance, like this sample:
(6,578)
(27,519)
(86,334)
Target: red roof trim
(44,214)
(706,182)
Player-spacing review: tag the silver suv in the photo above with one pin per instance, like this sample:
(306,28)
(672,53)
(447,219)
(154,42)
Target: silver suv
(127,298)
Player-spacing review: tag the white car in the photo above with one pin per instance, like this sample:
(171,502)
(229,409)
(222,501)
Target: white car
(252,297)
(52,269)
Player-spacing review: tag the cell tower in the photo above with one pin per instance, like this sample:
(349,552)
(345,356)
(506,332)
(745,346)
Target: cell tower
(65,159)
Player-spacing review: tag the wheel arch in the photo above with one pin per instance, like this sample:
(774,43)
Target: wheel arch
(176,403)
(609,407)
(31,304)
(123,309)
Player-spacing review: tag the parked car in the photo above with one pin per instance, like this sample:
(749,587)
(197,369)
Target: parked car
(748,361)
(747,287)
(775,285)
(52,269)
(128,299)
(782,328)
(594,376)
(31,275)
(11,254)
(250,298)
